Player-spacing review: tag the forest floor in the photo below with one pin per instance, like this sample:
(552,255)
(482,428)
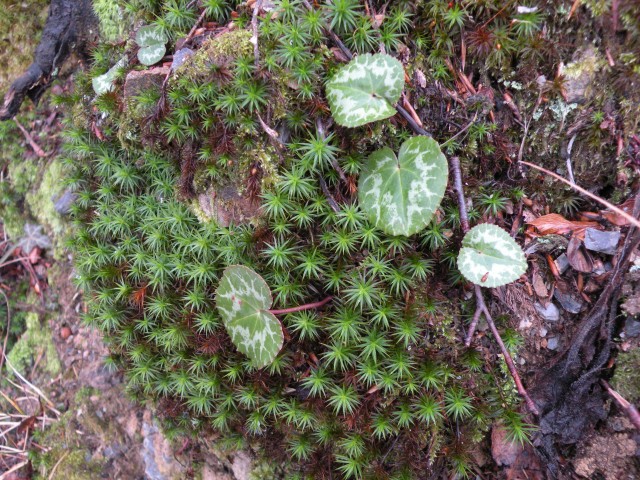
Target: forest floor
(66,416)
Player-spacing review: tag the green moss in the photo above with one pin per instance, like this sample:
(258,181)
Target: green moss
(35,341)
(67,452)
(627,377)
(113,18)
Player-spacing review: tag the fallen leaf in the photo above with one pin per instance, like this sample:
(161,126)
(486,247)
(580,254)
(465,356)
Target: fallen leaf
(616,218)
(578,257)
(558,225)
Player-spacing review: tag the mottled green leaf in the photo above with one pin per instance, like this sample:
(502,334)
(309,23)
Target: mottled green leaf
(401,194)
(365,90)
(150,35)
(490,257)
(151,54)
(243,299)
(104,83)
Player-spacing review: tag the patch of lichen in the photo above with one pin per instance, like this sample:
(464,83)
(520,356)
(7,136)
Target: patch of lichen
(67,450)
(20,27)
(36,342)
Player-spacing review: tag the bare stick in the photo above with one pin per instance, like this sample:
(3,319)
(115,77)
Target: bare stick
(6,335)
(629,408)
(473,326)
(598,199)
(300,308)
(254,29)
(36,148)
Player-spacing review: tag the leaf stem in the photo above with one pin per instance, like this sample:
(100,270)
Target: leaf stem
(300,308)
(481,306)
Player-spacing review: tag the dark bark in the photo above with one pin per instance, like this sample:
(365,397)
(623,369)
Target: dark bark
(70,26)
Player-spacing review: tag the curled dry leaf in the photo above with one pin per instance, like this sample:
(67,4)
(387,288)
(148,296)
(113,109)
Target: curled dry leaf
(616,218)
(578,257)
(555,224)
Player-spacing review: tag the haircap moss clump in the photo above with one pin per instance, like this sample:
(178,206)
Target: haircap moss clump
(372,384)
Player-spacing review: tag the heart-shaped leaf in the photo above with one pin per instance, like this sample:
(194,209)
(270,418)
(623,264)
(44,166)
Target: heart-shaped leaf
(243,299)
(489,257)
(104,83)
(150,35)
(365,90)
(151,54)
(401,194)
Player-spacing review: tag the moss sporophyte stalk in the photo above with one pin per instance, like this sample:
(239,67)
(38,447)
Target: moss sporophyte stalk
(214,208)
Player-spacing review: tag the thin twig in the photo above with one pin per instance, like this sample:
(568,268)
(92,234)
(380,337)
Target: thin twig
(53,470)
(464,129)
(6,335)
(593,196)
(36,148)
(254,29)
(300,308)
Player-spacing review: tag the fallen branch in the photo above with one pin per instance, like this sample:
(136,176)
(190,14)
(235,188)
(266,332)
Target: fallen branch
(481,306)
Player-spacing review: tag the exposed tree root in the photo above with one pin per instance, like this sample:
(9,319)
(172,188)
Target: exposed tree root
(70,25)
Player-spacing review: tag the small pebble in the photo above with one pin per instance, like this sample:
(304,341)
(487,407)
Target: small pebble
(65,332)
(552,343)
(550,313)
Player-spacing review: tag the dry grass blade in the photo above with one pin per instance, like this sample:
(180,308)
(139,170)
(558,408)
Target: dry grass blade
(602,201)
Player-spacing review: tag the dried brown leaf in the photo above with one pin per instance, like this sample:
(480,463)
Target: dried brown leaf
(555,224)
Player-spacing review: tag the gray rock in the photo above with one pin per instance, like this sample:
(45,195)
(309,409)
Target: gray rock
(552,343)
(63,204)
(581,73)
(599,241)
(157,454)
(180,57)
(562,263)
(569,302)
(550,313)
(632,328)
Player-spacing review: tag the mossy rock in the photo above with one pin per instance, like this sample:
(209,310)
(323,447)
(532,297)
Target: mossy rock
(35,341)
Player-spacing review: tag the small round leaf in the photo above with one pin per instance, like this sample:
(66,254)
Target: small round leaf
(489,257)
(365,89)
(401,194)
(151,54)
(150,35)
(243,299)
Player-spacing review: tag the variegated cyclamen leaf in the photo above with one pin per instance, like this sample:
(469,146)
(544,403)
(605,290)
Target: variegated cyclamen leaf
(150,35)
(401,194)
(365,89)
(151,54)
(104,83)
(243,299)
(489,257)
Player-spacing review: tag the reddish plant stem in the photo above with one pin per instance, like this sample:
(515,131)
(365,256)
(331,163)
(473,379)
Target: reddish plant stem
(36,148)
(505,353)
(300,308)
(481,306)
(628,407)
